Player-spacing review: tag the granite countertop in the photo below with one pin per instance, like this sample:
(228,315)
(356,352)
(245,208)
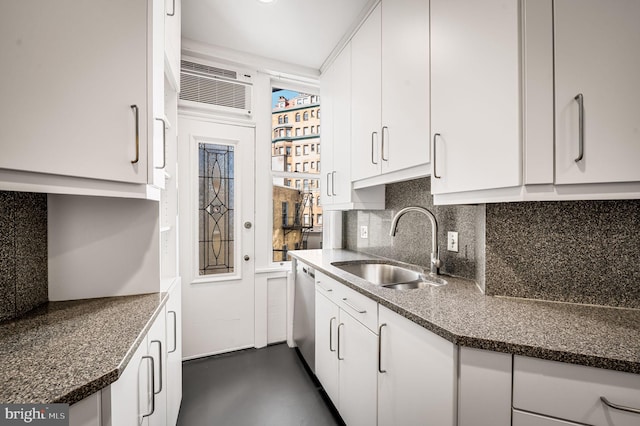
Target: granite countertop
(66,351)
(579,334)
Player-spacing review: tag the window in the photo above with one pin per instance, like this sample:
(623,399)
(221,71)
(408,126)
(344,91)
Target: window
(318,164)
(216,209)
(293,181)
(319,218)
(313,129)
(318,133)
(318,113)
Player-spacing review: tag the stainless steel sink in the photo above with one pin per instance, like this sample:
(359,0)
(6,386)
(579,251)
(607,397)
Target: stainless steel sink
(390,276)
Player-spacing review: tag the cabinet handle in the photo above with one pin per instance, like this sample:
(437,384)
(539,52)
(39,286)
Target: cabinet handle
(164,143)
(153,385)
(435,173)
(338,351)
(159,365)
(380,348)
(333,182)
(331,334)
(619,407)
(372,144)
(383,144)
(174,9)
(325,289)
(175,332)
(358,310)
(135,110)
(328,193)
(580,100)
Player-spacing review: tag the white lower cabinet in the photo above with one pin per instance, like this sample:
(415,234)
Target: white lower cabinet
(573,393)
(174,352)
(138,397)
(520,418)
(345,356)
(416,374)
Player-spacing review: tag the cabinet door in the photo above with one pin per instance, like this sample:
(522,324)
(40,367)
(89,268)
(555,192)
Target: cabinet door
(475,88)
(597,55)
(172,40)
(418,382)
(358,356)
(365,94)
(72,72)
(405,84)
(157,348)
(328,84)
(327,316)
(341,93)
(174,353)
(157,126)
(521,418)
(128,400)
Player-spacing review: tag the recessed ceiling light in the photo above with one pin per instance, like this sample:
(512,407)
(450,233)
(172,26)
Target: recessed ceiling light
(267,1)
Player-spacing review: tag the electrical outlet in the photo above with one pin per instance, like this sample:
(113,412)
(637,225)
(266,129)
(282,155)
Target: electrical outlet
(452,241)
(364,232)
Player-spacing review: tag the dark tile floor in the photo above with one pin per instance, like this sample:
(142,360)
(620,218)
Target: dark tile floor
(263,387)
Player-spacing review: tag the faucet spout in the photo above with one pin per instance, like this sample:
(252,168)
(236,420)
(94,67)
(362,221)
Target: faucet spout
(435,261)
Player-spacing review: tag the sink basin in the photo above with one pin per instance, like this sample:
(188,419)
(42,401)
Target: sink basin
(390,276)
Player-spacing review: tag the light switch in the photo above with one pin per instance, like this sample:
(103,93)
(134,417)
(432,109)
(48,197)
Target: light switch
(452,241)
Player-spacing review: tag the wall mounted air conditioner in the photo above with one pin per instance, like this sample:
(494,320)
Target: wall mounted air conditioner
(216,89)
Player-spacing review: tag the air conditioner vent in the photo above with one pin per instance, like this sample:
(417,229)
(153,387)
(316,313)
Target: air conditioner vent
(214,88)
(207,70)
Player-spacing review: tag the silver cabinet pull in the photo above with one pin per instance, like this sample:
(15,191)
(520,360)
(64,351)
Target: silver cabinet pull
(383,144)
(153,385)
(333,182)
(164,143)
(136,112)
(328,193)
(358,310)
(373,161)
(338,351)
(380,370)
(580,99)
(619,407)
(175,332)
(331,334)
(435,173)
(325,289)
(159,365)
(174,9)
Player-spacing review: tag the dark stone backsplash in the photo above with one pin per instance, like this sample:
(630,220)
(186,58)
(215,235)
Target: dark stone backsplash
(412,243)
(23,252)
(568,251)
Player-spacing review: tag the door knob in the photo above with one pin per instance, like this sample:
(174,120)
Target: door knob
(246,257)
(247,225)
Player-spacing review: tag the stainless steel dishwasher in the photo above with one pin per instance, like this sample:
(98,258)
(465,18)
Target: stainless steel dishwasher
(304,313)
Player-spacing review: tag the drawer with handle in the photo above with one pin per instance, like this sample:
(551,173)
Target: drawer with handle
(576,393)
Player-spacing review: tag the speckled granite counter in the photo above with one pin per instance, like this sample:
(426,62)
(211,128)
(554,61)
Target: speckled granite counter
(66,351)
(579,334)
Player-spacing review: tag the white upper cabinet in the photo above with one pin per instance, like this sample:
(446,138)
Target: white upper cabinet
(405,84)
(475,95)
(597,69)
(172,41)
(337,192)
(390,94)
(80,89)
(366,80)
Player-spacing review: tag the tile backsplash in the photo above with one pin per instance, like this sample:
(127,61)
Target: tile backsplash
(23,252)
(569,251)
(412,243)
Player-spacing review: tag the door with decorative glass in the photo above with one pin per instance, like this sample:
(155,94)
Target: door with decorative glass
(217,214)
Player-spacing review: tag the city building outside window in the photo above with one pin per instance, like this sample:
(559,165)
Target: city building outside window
(298,150)
(305,149)
(305,131)
(297,169)
(297,117)
(305,166)
(297,131)
(280,119)
(305,116)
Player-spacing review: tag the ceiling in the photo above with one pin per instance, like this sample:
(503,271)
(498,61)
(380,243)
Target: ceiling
(298,32)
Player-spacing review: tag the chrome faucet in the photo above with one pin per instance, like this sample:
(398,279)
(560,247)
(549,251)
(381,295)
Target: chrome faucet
(435,263)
